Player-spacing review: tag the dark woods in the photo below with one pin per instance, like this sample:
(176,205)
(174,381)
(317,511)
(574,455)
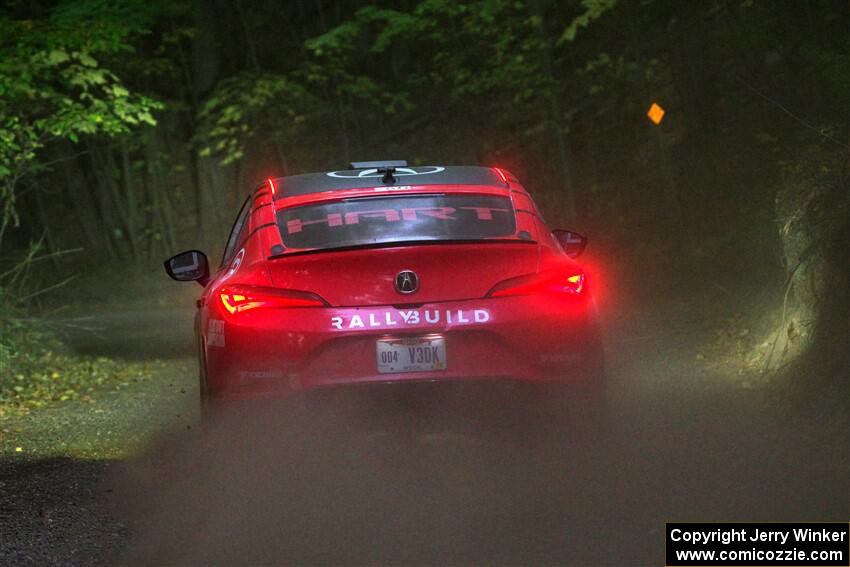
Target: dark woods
(131,130)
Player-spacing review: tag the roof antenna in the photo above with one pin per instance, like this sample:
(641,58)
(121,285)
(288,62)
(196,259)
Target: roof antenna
(388,178)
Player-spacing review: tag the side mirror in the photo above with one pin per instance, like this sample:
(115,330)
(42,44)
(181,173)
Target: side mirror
(190,266)
(572,243)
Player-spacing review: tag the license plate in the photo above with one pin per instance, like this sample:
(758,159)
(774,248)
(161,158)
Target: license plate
(421,354)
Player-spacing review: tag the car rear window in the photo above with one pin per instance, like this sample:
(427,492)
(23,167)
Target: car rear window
(357,222)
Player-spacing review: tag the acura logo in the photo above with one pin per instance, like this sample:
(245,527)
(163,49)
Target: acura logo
(406,281)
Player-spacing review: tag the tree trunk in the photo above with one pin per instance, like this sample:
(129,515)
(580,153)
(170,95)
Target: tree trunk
(132,214)
(555,114)
(205,67)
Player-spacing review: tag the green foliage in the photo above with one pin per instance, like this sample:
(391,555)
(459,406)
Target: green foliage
(34,370)
(593,10)
(554,90)
(53,86)
(377,72)
(124,18)
(34,366)
(491,57)
(250,105)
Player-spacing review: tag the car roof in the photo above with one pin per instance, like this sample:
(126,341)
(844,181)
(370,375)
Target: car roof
(332,181)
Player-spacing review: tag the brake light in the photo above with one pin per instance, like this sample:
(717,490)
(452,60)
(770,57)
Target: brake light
(575,283)
(547,283)
(501,174)
(271,185)
(238,299)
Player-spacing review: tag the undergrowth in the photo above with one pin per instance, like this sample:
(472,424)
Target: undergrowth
(36,369)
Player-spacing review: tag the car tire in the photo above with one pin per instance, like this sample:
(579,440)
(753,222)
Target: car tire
(204,402)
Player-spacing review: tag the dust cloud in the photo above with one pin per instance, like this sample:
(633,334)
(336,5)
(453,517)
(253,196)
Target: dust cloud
(438,476)
(491,475)
(388,475)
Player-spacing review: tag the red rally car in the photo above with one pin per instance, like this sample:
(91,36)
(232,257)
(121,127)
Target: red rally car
(388,273)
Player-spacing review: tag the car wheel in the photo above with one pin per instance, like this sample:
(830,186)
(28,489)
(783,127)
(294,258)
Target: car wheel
(204,402)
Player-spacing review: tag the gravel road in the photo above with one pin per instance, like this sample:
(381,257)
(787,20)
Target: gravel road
(686,443)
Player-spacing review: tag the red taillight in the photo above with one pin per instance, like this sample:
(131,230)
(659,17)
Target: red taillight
(238,299)
(575,283)
(271,186)
(536,284)
(501,174)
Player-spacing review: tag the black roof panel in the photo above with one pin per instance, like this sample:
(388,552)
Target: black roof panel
(295,185)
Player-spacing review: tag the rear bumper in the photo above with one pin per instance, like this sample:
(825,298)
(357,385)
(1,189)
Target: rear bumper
(275,353)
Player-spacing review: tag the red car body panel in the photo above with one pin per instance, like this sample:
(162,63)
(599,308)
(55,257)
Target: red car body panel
(448,272)
(533,334)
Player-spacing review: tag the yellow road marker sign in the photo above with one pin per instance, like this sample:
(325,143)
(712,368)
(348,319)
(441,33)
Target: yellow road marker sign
(655,113)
